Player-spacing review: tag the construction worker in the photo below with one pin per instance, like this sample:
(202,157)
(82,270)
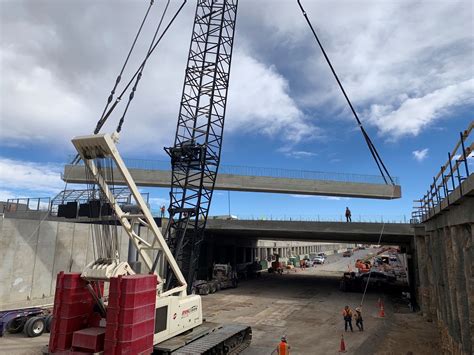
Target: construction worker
(347,315)
(359,320)
(348,215)
(283,348)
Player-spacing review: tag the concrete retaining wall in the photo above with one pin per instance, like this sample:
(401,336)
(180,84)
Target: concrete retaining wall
(445,253)
(34,250)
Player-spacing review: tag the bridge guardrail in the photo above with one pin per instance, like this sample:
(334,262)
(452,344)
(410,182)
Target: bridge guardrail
(449,178)
(319,218)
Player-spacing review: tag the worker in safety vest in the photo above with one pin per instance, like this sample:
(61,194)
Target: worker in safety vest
(347,315)
(283,348)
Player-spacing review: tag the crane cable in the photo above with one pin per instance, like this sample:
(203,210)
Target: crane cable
(108,112)
(119,98)
(378,160)
(119,77)
(370,270)
(102,120)
(132,93)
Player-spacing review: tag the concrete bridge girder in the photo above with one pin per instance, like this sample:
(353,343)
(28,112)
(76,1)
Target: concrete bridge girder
(232,182)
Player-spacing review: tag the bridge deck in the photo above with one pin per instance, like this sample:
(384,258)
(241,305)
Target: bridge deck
(392,233)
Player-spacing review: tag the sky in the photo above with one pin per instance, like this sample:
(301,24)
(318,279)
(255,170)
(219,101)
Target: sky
(407,66)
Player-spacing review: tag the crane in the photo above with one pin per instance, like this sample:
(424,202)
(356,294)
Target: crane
(172,257)
(195,158)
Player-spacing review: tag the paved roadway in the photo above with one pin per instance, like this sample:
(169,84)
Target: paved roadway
(337,264)
(305,306)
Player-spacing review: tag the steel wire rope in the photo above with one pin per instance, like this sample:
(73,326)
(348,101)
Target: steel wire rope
(119,98)
(378,160)
(139,76)
(119,77)
(370,271)
(103,119)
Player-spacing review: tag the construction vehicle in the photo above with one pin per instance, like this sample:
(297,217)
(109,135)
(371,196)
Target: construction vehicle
(32,321)
(223,276)
(356,282)
(94,150)
(277,265)
(170,260)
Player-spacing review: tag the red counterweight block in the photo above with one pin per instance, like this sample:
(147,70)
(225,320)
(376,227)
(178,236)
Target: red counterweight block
(131,315)
(73,305)
(89,339)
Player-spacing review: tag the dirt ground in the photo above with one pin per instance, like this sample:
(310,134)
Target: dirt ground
(305,306)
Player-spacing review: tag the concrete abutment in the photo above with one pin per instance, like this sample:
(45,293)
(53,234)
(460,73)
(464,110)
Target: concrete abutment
(444,248)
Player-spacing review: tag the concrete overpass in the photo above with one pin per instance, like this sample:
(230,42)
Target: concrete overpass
(366,233)
(268,180)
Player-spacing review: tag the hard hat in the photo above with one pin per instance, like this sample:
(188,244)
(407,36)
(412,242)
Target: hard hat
(358,309)
(283,338)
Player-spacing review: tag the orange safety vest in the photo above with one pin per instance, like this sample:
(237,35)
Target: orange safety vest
(347,313)
(283,348)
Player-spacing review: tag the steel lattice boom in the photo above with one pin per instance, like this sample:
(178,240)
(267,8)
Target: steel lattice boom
(196,152)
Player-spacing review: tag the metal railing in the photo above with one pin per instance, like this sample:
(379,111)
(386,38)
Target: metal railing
(449,178)
(144,164)
(27,204)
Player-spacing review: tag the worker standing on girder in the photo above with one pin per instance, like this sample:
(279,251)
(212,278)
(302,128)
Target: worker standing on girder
(348,215)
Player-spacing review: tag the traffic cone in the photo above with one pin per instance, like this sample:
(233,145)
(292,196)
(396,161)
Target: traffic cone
(342,348)
(381,311)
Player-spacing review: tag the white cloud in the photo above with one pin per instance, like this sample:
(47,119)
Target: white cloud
(420,155)
(409,73)
(415,114)
(29,177)
(260,102)
(6,195)
(297,154)
(59,61)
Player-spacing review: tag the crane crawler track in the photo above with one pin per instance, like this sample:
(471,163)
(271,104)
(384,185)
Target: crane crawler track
(228,339)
